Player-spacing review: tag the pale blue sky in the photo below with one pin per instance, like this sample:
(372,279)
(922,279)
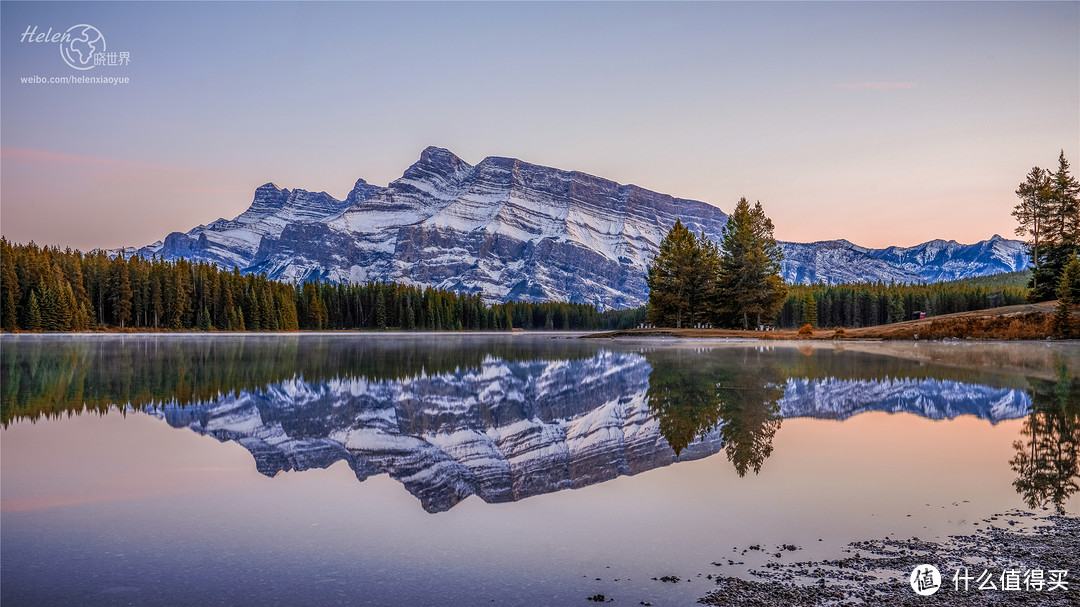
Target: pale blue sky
(882,123)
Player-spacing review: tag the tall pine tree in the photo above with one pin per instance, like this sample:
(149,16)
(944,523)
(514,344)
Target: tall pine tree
(682,279)
(9,287)
(1068,294)
(1065,204)
(1049,214)
(1032,211)
(749,283)
(809,310)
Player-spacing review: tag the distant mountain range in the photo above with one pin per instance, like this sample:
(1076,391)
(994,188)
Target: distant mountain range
(520,231)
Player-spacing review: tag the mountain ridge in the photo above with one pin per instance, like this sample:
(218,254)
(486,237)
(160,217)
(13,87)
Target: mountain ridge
(520,231)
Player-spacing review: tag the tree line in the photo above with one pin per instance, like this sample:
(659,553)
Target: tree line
(47,289)
(868,304)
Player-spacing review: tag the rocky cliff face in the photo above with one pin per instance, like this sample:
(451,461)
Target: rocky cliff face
(514,230)
(519,231)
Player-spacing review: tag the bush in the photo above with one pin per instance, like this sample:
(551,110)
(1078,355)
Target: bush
(838,332)
(806,330)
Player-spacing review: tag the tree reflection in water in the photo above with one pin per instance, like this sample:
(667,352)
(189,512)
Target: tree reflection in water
(691,395)
(1047,461)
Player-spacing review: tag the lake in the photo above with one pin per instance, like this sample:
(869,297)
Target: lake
(499,469)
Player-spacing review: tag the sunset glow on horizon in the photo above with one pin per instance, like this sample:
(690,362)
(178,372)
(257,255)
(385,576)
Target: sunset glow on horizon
(880,123)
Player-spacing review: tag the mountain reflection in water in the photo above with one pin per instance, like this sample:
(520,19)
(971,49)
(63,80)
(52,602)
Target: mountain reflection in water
(511,417)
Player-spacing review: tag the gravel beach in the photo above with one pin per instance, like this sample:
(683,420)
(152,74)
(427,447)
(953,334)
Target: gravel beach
(877,572)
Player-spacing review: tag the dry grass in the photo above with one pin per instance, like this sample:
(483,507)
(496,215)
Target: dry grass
(1021,322)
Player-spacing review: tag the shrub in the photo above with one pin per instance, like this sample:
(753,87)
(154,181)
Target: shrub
(806,330)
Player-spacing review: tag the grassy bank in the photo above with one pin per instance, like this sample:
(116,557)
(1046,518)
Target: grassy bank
(1018,322)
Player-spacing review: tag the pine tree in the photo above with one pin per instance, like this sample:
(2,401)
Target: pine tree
(256,311)
(9,287)
(809,310)
(33,313)
(118,287)
(749,281)
(204,321)
(157,304)
(896,309)
(266,304)
(80,319)
(1032,213)
(1068,293)
(669,276)
(410,315)
(55,314)
(1065,204)
(682,278)
(1062,232)
(1049,212)
(380,311)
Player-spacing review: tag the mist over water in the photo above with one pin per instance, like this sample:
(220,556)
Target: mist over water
(452,469)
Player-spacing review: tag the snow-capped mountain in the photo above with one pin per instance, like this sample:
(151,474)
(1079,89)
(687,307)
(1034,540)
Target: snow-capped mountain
(519,231)
(507,430)
(835,261)
(939,260)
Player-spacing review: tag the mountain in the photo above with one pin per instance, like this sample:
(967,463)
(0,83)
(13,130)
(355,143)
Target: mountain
(940,260)
(835,261)
(520,231)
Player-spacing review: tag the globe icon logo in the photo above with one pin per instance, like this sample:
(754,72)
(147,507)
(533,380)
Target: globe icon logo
(81,44)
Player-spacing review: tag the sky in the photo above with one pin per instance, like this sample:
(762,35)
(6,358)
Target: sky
(882,123)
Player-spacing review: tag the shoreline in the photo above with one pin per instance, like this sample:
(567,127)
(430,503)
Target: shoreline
(877,571)
(1024,322)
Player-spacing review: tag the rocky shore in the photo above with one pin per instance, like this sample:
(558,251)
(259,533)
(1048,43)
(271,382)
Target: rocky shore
(877,572)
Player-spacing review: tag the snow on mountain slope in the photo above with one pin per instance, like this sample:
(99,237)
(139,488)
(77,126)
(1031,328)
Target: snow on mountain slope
(939,260)
(837,261)
(520,231)
(234,242)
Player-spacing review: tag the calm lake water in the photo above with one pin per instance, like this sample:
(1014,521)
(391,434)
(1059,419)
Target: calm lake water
(498,469)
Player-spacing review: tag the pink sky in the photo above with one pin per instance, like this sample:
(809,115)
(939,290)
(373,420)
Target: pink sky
(882,123)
